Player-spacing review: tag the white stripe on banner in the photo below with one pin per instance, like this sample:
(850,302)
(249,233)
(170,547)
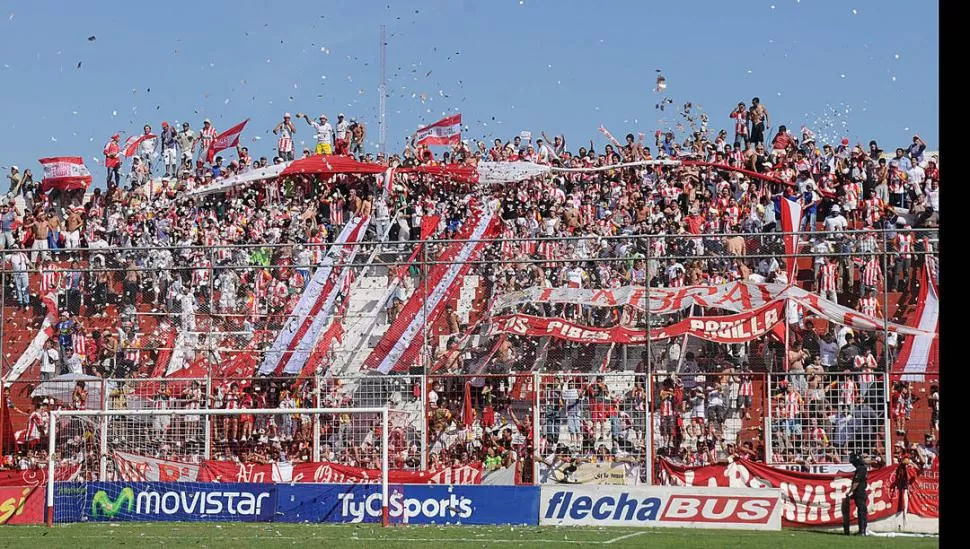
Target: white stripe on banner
(919,353)
(309,298)
(440,290)
(309,341)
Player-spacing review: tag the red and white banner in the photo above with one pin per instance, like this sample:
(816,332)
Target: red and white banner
(225,140)
(402,342)
(734,296)
(137,468)
(293,344)
(37,477)
(131,144)
(738,328)
(808,499)
(446,131)
(791,219)
(920,354)
(22,505)
(64,173)
(224,471)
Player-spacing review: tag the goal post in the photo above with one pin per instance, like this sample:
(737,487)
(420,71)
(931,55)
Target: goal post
(70,429)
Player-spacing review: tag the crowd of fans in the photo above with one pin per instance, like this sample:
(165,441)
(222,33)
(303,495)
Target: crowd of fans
(145,253)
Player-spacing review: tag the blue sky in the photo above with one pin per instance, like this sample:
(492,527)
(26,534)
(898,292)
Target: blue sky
(562,66)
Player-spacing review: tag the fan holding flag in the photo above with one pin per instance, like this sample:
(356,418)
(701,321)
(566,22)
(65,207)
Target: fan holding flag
(446,131)
(144,146)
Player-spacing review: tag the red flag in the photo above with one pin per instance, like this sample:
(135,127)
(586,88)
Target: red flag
(226,139)
(131,144)
(468,414)
(446,131)
(389,180)
(429,224)
(791,219)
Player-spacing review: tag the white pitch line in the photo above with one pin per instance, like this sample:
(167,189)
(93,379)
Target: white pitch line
(621,538)
(477,540)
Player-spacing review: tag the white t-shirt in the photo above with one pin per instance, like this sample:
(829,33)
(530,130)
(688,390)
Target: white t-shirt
(835,223)
(48,361)
(342,128)
(324,132)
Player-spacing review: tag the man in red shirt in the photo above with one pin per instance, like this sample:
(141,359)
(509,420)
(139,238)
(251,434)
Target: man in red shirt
(112,160)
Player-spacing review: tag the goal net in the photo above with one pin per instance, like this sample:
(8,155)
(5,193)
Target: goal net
(191,464)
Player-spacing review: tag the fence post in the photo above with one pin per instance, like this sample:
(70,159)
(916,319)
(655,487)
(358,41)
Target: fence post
(535,428)
(769,405)
(887,432)
(207,425)
(648,431)
(423,407)
(103,442)
(316,417)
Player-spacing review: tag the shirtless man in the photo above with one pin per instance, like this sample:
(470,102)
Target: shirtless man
(357,134)
(758,116)
(454,324)
(72,238)
(451,357)
(354,202)
(40,229)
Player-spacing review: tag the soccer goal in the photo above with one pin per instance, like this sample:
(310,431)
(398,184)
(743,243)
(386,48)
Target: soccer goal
(206,464)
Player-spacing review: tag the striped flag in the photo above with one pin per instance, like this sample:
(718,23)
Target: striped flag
(791,219)
(225,140)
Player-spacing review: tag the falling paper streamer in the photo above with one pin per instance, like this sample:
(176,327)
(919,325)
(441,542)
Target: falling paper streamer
(661,83)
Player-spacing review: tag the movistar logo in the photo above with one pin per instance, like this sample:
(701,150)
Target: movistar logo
(102,504)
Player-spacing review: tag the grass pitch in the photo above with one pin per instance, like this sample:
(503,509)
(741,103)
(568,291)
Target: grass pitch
(241,535)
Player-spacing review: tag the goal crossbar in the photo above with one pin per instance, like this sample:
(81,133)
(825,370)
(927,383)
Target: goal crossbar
(55,414)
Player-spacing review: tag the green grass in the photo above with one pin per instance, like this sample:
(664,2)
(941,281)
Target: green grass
(240,535)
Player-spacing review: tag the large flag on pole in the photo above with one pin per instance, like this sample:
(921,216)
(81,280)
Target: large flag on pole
(446,131)
(226,139)
(791,219)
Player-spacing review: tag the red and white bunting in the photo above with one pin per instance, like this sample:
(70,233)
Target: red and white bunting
(446,131)
(400,345)
(65,173)
(920,354)
(293,344)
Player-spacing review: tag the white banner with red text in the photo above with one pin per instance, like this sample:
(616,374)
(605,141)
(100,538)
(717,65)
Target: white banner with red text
(446,131)
(738,328)
(734,296)
(65,173)
(661,506)
(809,499)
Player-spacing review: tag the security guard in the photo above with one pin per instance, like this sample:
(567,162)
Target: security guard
(857,494)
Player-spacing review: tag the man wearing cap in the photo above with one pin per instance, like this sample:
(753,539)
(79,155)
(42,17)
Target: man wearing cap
(324,133)
(186,140)
(112,160)
(835,221)
(285,131)
(169,149)
(206,137)
(342,142)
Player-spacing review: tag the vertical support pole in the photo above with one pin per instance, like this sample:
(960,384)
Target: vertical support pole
(316,417)
(424,422)
(207,421)
(51,438)
(648,428)
(535,427)
(103,461)
(769,404)
(385,436)
(886,379)
(425,351)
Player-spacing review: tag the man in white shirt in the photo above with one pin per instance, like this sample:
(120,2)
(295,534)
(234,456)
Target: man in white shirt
(343,141)
(49,360)
(835,221)
(19,264)
(933,195)
(72,362)
(382,216)
(324,133)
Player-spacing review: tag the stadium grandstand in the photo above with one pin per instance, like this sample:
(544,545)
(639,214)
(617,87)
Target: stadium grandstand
(531,311)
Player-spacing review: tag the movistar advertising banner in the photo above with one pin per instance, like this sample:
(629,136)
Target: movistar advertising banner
(169,501)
